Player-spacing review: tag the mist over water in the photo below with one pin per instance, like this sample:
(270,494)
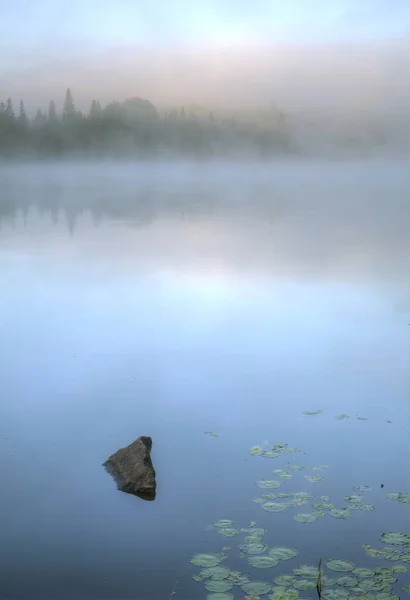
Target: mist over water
(173,298)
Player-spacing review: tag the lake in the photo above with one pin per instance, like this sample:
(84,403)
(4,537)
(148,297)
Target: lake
(209,306)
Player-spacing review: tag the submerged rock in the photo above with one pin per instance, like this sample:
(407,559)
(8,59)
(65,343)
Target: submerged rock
(132,469)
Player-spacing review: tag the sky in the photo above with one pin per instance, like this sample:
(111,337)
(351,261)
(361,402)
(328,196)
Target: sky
(48,45)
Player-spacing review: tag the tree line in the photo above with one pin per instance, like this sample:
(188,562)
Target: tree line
(133,126)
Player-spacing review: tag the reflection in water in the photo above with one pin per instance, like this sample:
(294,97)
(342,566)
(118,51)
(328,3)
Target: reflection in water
(208,299)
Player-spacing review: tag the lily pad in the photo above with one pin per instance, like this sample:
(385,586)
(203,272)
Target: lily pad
(357,498)
(314,478)
(280,593)
(228,532)
(284,580)
(406,588)
(342,417)
(303,495)
(274,506)
(362,572)
(282,474)
(400,497)
(257,588)
(342,513)
(218,585)
(306,571)
(206,560)
(304,584)
(282,553)
(267,483)
(305,518)
(328,581)
(366,507)
(254,548)
(402,539)
(215,573)
(399,569)
(211,433)
(362,488)
(335,594)
(342,566)
(361,418)
(262,562)
(312,412)
(295,467)
(347,581)
(324,498)
(223,523)
(269,453)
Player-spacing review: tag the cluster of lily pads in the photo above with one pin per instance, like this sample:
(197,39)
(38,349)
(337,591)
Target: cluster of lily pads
(341,417)
(345,580)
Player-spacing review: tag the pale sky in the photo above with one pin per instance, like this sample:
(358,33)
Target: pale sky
(131,47)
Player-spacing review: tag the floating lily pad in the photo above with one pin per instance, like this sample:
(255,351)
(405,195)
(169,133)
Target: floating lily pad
(373,552)
(226,549)
(257,588)
(238,578)
(305,517)
(362,488)
(399,569)
(400,497)
(228,532)
(306,571)
(342,513)
(206,560)
(282,474)
(324,498)
(282,553)
(267,483)
(280,593)
(362,572)
(304,584)
(215,573)
(328,581)
(406,588)
(218,585)
(255,450)
(254,548)
(274,506)
(402,539)
(303,495)
(284,580)
(262,562)
(314,478)
(223,523)
(347,581)
(361,418)
(386,596)
(258,500)
(357,498)
(312,412)
(269,453)
(295,467)
(320,467)
(211,433)
(342,566)
(366,507)
(335,594)
(342,417)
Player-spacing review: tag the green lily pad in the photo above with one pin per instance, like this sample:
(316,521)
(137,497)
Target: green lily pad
(362,488)
(342,513)
(284,580)
(357,498)
(255,450)
(258,500)
(324,498)
(399,569)
(267,483)
(291,450)
(303,495)
(280,593)
(254,548)
(306,571)
(262,562)
(228,532)
(206,560)
(218,585)
(295,467)
(400,497)
(256,588)
(305,518)
(402,539)
(342,417)
(312,412)
(347,581)
(328,581)
(406,588)
(342,566)
(220,596)
(282,474)
(223,523)
(366,507)
(361,418)
(373,552)
(274,506)
(238,578)
(269,453)
(304,584)
(211,433)
(386,596)
(335,594)
(282,553)
(226,549)
(215,573)
(362,572)
(314,478)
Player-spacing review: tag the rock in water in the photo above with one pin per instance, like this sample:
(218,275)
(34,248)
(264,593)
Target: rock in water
(132,469)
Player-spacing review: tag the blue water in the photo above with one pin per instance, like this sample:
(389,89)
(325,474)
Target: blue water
(233,308)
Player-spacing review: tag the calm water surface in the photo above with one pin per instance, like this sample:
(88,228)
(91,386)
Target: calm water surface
(174,300)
